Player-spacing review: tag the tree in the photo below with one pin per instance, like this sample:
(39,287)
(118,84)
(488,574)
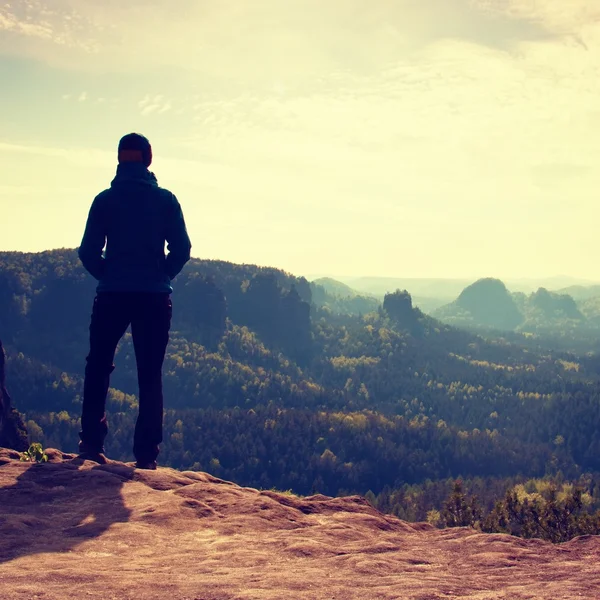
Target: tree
(459,510)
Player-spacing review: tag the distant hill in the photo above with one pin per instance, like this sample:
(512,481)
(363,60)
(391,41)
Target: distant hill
(488,303)
(546,308)
(340,298)
(558,283)
(416,287)
(262,388)
(485,303)
(336,288)
(428,304)
(433,294)
(581,292)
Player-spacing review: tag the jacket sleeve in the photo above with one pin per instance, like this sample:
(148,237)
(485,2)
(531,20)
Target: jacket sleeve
(92,244)
(178,241)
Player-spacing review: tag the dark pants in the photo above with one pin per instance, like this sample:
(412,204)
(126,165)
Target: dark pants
(150,318)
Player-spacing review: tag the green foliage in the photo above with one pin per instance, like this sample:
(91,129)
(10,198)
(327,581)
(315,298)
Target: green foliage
(460,511)
(34,453)
(266,389)
(547,514)
(543,516)
(434,517)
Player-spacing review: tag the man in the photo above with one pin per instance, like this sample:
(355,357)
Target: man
(133,219)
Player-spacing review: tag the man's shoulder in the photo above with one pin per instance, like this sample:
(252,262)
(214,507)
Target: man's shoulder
(102,197)
(165,192)
(155,190)
(167,196)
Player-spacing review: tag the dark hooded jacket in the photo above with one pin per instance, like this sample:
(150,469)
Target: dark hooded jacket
(131,221)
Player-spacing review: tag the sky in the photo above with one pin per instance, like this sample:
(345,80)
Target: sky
(404,138)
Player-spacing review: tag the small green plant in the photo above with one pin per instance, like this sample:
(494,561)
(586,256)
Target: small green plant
(434,517)
(35,453)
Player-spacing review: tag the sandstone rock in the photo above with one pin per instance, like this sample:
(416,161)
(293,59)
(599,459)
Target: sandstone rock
(74,529)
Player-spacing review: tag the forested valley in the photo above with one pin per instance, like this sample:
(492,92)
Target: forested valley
(271,382)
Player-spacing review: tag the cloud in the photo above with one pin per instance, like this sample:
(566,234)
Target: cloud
(144,101)
(86,154)
(455,80)
(263,39)
(148,110)
(556,15)
(25,22)
(154,104)
(85,96)
(9,22)
(436,116)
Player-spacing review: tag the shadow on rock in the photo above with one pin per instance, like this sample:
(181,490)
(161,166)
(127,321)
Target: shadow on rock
(54,506)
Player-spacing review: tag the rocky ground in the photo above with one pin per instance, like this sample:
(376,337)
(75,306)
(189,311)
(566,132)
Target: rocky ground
(73,529)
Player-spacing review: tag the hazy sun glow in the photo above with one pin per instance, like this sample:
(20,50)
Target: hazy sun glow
(442,138)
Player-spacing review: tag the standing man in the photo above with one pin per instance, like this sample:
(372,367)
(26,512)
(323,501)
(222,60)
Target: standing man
(133,219)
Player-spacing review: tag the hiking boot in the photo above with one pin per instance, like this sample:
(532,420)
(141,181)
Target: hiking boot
(95,454)
(148,465)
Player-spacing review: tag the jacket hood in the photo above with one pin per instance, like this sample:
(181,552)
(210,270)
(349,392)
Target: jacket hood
(134,173)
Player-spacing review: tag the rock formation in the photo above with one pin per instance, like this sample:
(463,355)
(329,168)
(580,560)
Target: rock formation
(75,529)
(13,433)
(399,307)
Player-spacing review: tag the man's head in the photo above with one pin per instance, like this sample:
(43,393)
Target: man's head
(134,147)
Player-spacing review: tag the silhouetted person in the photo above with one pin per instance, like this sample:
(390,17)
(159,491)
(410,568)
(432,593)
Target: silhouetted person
(133,219)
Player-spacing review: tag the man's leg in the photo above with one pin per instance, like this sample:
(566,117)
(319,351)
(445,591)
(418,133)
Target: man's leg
(110,319)
(150,324)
